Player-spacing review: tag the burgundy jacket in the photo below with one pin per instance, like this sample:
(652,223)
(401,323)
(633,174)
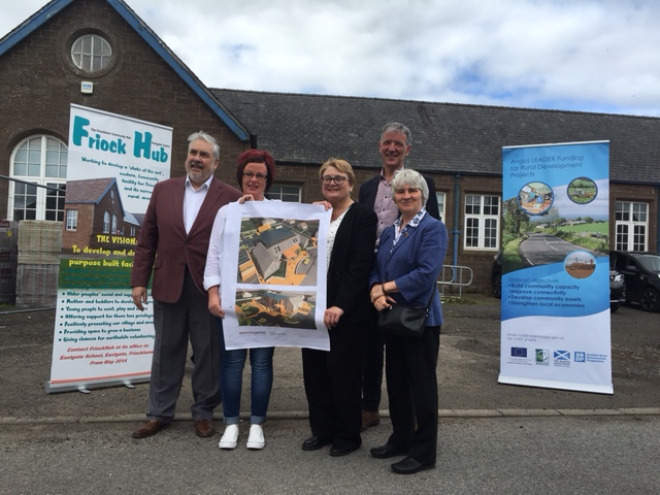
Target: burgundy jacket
(163,245)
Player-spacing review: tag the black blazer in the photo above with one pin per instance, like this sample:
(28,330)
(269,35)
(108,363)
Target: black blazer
(369,189)
(351,262)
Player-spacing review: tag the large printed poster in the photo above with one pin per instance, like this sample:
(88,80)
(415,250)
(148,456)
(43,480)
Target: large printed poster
(100,337)
(555,282)
(274,275)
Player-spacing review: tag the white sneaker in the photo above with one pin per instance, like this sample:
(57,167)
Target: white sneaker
(229,438)
(256,439)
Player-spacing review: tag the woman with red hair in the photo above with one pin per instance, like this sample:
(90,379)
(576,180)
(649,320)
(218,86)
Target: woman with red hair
(255,174)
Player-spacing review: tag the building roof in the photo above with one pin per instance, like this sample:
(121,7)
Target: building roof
(447,137)
(90,191)
(272,237)
(55,6)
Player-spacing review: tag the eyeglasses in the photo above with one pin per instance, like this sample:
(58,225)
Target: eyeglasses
(338,179)
(252,175)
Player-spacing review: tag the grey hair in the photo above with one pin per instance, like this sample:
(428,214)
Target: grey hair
(412,178)
(209,139)
(397,127)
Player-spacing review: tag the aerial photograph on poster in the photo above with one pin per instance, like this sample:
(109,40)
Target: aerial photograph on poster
(277,251)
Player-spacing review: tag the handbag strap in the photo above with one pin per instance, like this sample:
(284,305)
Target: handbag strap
(428,306)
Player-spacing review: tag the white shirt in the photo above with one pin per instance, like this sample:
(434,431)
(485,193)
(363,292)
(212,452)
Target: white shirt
(332,233)
(192,202)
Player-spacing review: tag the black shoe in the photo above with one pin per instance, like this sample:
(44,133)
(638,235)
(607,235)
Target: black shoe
(409,465)
(315,443)
(386,451)
(340,449)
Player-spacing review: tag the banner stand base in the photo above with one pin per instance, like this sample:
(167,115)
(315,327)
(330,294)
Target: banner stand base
(87,386)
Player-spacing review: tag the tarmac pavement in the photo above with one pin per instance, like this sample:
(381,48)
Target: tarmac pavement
(493,438)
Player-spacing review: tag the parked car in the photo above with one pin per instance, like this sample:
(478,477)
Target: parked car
(641,272)
(617,284)
(617,290)
(496,276)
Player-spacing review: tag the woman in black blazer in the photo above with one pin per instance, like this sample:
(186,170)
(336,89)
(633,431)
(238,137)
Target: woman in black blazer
(333,379)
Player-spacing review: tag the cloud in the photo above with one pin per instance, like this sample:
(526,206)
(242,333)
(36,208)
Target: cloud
(591,55)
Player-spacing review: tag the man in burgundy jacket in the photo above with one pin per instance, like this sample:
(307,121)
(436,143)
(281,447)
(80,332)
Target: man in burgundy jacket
(173,242)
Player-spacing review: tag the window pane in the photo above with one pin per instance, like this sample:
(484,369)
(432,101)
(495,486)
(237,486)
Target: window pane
(56,155)
(285,193)
(622,237)
(39,158)
(21,154)
(472,232)
(25,201)
(472,205)
(72,220)
(91,52)
(639,212)
(622,211)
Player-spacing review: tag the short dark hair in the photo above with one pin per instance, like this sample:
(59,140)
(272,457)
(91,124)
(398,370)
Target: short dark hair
(256,156)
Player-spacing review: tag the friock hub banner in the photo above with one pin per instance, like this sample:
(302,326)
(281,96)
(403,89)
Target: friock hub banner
(100,338)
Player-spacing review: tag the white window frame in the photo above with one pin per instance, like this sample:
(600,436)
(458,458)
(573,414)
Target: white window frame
(442,201)
(286,192)
(631,226)
(482,215)
(38,161)
(106,222)
(91,53)
(71,220)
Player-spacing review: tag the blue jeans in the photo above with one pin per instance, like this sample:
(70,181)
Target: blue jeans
(233,362)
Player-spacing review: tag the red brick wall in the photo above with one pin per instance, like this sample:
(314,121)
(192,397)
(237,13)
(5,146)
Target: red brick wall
(38,82)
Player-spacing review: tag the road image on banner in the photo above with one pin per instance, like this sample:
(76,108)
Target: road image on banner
(101,339)
(555,267)
(274,275)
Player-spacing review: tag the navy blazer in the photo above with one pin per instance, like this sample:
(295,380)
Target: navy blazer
(369,189)
(414,263)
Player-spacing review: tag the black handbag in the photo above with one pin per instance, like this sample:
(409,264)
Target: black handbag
(404,321)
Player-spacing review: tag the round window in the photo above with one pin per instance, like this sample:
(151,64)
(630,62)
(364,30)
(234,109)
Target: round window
(91,53)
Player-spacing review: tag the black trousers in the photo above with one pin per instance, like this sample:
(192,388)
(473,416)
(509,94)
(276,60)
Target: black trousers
(412,387)
(333,386)
(372,365)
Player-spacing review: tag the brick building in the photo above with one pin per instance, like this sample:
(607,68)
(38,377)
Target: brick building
(45,61)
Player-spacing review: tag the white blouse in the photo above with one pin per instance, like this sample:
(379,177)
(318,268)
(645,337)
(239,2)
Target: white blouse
(332,232)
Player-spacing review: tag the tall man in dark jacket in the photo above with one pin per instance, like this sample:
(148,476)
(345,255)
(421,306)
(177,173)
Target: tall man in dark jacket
(173,243)
(394,146)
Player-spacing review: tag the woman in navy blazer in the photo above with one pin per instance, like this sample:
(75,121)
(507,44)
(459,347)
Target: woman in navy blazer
(333,379)
(407,267)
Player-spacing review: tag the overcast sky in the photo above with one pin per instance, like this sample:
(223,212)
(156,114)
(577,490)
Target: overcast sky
(588,55)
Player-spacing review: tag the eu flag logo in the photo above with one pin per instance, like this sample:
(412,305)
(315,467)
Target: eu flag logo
(520,352)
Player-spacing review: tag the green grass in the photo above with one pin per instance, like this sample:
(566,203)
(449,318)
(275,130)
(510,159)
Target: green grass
(511,260)
(593,228)
(106,273)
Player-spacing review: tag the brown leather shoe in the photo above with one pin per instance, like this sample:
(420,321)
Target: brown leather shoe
(204,428)
(369,419)
(149,428)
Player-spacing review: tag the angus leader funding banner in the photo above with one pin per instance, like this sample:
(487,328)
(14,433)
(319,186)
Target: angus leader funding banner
(101,339)
(555,330)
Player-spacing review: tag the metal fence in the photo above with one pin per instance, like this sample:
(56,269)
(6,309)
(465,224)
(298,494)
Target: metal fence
(455,276)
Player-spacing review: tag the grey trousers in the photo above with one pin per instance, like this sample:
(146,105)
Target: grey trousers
(175,323)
